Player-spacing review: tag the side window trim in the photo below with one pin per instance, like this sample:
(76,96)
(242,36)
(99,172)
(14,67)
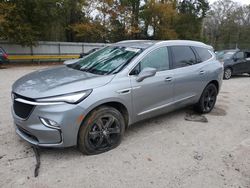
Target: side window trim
(198,59)
(139,61)
(171,58)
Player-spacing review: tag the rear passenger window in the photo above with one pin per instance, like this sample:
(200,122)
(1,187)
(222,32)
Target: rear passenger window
(203,53)
(183,56)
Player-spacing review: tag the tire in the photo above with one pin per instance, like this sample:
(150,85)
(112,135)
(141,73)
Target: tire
(227,73)
(101,131)
(207,99)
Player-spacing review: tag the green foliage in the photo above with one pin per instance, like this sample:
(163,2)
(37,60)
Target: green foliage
(227,25)
(190,18)
(28,21)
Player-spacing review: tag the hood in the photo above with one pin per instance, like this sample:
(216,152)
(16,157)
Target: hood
(57,81)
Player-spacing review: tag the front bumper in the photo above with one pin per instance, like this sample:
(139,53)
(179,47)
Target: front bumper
(67,116)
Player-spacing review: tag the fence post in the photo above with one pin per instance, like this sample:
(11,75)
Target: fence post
(59,50)
(31,52)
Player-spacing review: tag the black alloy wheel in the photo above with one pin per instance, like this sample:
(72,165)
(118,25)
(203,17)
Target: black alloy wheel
(104,132)
(208,99)
(101,131)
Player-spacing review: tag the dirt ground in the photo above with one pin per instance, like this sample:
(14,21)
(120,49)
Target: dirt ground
(166,151)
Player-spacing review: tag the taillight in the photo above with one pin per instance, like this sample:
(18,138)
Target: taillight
(5,56)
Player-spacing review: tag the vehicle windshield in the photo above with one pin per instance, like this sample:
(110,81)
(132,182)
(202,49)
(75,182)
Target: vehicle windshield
(228,55)
(108,60)
(225,55)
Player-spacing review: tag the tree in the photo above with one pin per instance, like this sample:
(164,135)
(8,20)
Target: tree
(27,21)
(17,23)
(160,16)
(227,25)
(191,15)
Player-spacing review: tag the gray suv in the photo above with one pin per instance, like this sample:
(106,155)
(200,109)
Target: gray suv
(91,102)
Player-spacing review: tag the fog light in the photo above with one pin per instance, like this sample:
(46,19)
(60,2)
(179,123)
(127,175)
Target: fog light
(49,123)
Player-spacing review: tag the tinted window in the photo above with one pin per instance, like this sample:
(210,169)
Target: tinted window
(228,55)
(247,55)
(239,55)
(183,56)
(203,53)
(157,59)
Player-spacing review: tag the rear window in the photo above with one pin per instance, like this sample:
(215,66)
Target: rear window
(183,56)
(203,53)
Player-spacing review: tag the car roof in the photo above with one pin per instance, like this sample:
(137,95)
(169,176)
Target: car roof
(230,50)
(235,50)
(245,50)
(143,44)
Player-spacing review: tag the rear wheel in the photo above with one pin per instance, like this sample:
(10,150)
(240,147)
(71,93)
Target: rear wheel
(227,73)
(208,99)
(101,131)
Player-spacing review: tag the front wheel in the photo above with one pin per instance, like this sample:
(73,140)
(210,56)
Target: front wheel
(101,131)
(207,99)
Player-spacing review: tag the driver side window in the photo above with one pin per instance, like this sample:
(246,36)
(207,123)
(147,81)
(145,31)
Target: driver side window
(157,59)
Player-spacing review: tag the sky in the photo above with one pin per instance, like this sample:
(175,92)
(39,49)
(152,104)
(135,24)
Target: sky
(247,2)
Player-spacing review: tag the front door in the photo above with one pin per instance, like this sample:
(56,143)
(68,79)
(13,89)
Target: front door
(154,93)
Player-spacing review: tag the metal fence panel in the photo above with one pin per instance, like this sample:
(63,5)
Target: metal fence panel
(47,51)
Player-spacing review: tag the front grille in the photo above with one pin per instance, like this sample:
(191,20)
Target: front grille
(22,110)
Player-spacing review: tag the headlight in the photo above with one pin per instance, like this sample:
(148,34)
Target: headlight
(71,98)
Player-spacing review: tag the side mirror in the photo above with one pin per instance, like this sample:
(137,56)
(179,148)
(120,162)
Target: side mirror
(145,73)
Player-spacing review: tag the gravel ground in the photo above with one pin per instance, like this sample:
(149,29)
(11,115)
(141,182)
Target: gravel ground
(166,151)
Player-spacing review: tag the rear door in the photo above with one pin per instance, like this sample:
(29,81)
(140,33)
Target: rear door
(240,63)
(247,57)
(189,74)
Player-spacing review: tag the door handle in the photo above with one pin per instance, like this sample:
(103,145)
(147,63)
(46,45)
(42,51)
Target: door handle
(168,79)
(124,91)
(202,72)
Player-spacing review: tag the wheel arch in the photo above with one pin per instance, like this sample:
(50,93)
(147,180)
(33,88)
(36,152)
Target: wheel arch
(117,104)
(216,83)
(229,67)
